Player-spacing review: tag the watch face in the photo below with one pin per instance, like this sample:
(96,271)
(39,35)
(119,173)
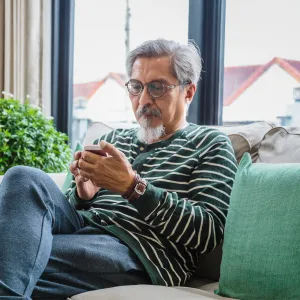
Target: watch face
(140,188)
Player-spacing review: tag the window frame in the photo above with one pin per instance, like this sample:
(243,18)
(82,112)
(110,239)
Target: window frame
(62,62)
(207,29)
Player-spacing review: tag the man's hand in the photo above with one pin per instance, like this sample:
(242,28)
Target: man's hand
(113,173)
(86,189)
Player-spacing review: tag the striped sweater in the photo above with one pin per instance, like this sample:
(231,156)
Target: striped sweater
(183,211)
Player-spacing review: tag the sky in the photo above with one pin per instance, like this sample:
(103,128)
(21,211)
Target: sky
(100,32)
(256,31)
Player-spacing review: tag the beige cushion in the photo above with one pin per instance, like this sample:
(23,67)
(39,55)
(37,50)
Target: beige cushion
(280,145)
(211,287)
(246,138)
(95,131)
(147,292)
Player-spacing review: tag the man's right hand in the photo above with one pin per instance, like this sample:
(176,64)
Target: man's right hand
(86,189)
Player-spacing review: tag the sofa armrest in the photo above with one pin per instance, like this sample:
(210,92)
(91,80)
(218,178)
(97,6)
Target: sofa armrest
(58,178)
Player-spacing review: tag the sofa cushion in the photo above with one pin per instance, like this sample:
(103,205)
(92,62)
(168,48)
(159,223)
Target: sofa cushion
(262,234)
(95,131)
(280,145)
(58,178)
(210,287)
(246,138)
(147,292)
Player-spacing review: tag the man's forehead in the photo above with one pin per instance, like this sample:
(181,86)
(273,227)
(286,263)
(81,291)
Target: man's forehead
(156,66)
(163,61)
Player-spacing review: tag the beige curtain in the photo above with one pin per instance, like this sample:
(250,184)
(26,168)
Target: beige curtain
(25,51)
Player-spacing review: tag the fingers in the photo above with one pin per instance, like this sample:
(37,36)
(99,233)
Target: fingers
(77,155)
(112,150)
(79,178)
(74,167)
(77,165)
(85,165)
(90,157)
(75,170)
(82,176)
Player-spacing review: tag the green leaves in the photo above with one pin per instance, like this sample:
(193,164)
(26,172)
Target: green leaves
(28,138)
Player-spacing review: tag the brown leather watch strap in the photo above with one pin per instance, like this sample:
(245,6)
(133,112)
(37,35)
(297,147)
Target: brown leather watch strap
(131,188)
(137,189)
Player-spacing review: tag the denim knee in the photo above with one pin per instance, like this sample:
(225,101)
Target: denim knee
(23,173)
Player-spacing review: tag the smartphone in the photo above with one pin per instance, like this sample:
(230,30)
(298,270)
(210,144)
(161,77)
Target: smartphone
(95,149)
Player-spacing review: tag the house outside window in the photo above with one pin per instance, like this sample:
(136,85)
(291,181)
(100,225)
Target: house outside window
(262,62)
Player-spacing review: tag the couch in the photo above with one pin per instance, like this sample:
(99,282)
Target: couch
(265,143)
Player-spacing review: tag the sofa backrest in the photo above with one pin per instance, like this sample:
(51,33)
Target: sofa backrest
(280,145)
(246,138)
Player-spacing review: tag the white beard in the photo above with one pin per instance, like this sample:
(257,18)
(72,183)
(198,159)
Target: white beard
(148,134)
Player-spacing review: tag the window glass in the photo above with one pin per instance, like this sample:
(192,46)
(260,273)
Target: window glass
(262,62)
(100,52)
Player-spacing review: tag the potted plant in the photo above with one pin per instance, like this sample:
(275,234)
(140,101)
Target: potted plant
(28,138)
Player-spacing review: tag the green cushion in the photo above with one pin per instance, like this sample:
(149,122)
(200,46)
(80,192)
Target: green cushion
(69,177)
(261,251)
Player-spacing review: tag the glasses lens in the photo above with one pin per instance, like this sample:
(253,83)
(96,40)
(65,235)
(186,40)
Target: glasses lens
(155,88)
(134,87)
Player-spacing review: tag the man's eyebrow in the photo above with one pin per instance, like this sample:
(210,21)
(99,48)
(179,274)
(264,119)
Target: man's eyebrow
(162,80)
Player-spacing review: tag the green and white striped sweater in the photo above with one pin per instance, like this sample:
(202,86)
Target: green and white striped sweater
(183,211)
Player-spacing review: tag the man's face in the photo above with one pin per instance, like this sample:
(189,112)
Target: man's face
(168,110)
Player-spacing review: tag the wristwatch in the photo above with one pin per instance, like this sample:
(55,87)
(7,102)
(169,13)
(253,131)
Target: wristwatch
(137,189)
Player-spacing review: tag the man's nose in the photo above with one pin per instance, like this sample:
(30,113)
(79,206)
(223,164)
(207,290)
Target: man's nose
(145,97)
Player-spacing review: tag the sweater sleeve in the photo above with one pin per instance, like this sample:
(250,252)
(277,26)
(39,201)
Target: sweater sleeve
(198,220)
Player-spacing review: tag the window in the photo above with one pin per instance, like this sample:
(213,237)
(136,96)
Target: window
(262,62)
(100,52)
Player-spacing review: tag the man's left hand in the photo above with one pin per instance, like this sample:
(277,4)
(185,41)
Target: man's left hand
(113,173)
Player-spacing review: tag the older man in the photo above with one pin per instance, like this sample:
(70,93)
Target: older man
(142,214)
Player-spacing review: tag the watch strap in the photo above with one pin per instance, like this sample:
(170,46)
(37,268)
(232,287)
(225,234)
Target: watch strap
(137,189)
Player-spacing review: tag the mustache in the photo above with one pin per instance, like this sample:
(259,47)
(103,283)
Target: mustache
(146,110)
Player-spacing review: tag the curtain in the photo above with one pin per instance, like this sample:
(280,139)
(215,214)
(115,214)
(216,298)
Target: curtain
(25,51)
(207,29)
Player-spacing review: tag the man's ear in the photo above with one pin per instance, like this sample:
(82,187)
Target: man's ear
(190,92)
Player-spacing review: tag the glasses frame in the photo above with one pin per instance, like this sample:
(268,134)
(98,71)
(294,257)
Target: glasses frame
(165,87)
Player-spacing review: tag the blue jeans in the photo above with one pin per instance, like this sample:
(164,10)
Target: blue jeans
(46,250)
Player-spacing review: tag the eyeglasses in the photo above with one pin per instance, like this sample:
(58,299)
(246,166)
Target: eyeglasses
(155,88)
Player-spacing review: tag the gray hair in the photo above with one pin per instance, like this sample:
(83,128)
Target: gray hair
(185,59)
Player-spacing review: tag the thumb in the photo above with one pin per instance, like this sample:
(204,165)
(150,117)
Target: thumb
(111,150)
